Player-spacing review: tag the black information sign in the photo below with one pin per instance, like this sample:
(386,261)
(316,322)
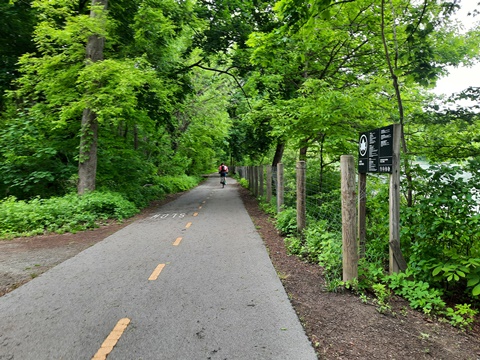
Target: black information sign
(375,151)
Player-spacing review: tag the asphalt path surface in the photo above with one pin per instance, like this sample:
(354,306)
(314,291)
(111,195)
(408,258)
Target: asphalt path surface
(193,281)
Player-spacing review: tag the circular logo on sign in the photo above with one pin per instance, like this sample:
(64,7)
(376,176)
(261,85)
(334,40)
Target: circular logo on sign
(363,145)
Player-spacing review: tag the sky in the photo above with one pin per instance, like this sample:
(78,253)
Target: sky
(462,77)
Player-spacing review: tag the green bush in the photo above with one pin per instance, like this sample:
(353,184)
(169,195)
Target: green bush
(175,184)
(65,214)
(269,208)
(143,195)
(327,207)
(72,213)
(418,293)
(462,316)
(325,248)
(106,205)
(287,221)
(440,232)
(294,245)
(316,244)
(243,182)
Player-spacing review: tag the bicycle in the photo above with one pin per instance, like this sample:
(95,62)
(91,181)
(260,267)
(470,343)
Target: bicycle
(223,180)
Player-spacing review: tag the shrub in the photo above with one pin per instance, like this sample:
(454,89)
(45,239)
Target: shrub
(175,184)
(269,208)
(317,245)
(63,214)
(418,293)
(293,245)
(462,316)
(243,182)
(440,231)
(325,248)
(287,221)
(72,213)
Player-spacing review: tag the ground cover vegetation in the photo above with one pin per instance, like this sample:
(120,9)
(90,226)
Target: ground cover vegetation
(106,106)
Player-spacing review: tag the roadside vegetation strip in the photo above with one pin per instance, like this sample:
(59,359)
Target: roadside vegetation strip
(156,272)
(111,339)
(177,241)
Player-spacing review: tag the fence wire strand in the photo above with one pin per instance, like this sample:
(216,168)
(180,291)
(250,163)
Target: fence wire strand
(320,188)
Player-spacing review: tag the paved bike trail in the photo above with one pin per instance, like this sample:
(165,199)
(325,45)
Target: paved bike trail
(193,281)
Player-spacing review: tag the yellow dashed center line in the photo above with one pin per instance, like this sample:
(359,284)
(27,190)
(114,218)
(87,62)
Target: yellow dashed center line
(188,225)
(156,272)
(112,339)
(195,214)
(199,207)
(177,241)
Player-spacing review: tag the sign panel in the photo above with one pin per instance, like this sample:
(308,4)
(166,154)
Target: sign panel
(375,151)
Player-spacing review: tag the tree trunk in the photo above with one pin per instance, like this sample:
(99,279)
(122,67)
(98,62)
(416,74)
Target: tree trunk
(396,86)
(87,165)
(397,262)
(278,153)
(302,156)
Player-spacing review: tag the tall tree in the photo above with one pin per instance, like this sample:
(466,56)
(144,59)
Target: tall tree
(87,165)
(340,44)
(126,97)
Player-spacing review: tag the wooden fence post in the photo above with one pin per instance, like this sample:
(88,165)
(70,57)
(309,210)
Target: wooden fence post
(280,187)
(250,178)
(269,184)
(255,169)
(301,196)
(349,223)
(397,262)
(261,180)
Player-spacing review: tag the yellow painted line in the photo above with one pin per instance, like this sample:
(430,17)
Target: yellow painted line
(195,214)
(111,339)
(156,272)
(188,225)
(203,202)
(177,242)
(199,207)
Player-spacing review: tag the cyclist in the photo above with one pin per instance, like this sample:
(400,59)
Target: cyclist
(223,170)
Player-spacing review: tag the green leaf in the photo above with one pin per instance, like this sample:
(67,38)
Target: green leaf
(473,281)
(437,270)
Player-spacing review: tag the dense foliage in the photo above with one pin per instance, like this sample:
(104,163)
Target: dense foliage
(152,110)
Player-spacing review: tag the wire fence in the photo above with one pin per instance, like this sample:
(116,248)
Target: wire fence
(314,193)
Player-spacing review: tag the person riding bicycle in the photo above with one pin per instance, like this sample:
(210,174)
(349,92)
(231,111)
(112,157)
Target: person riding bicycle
(223,170)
